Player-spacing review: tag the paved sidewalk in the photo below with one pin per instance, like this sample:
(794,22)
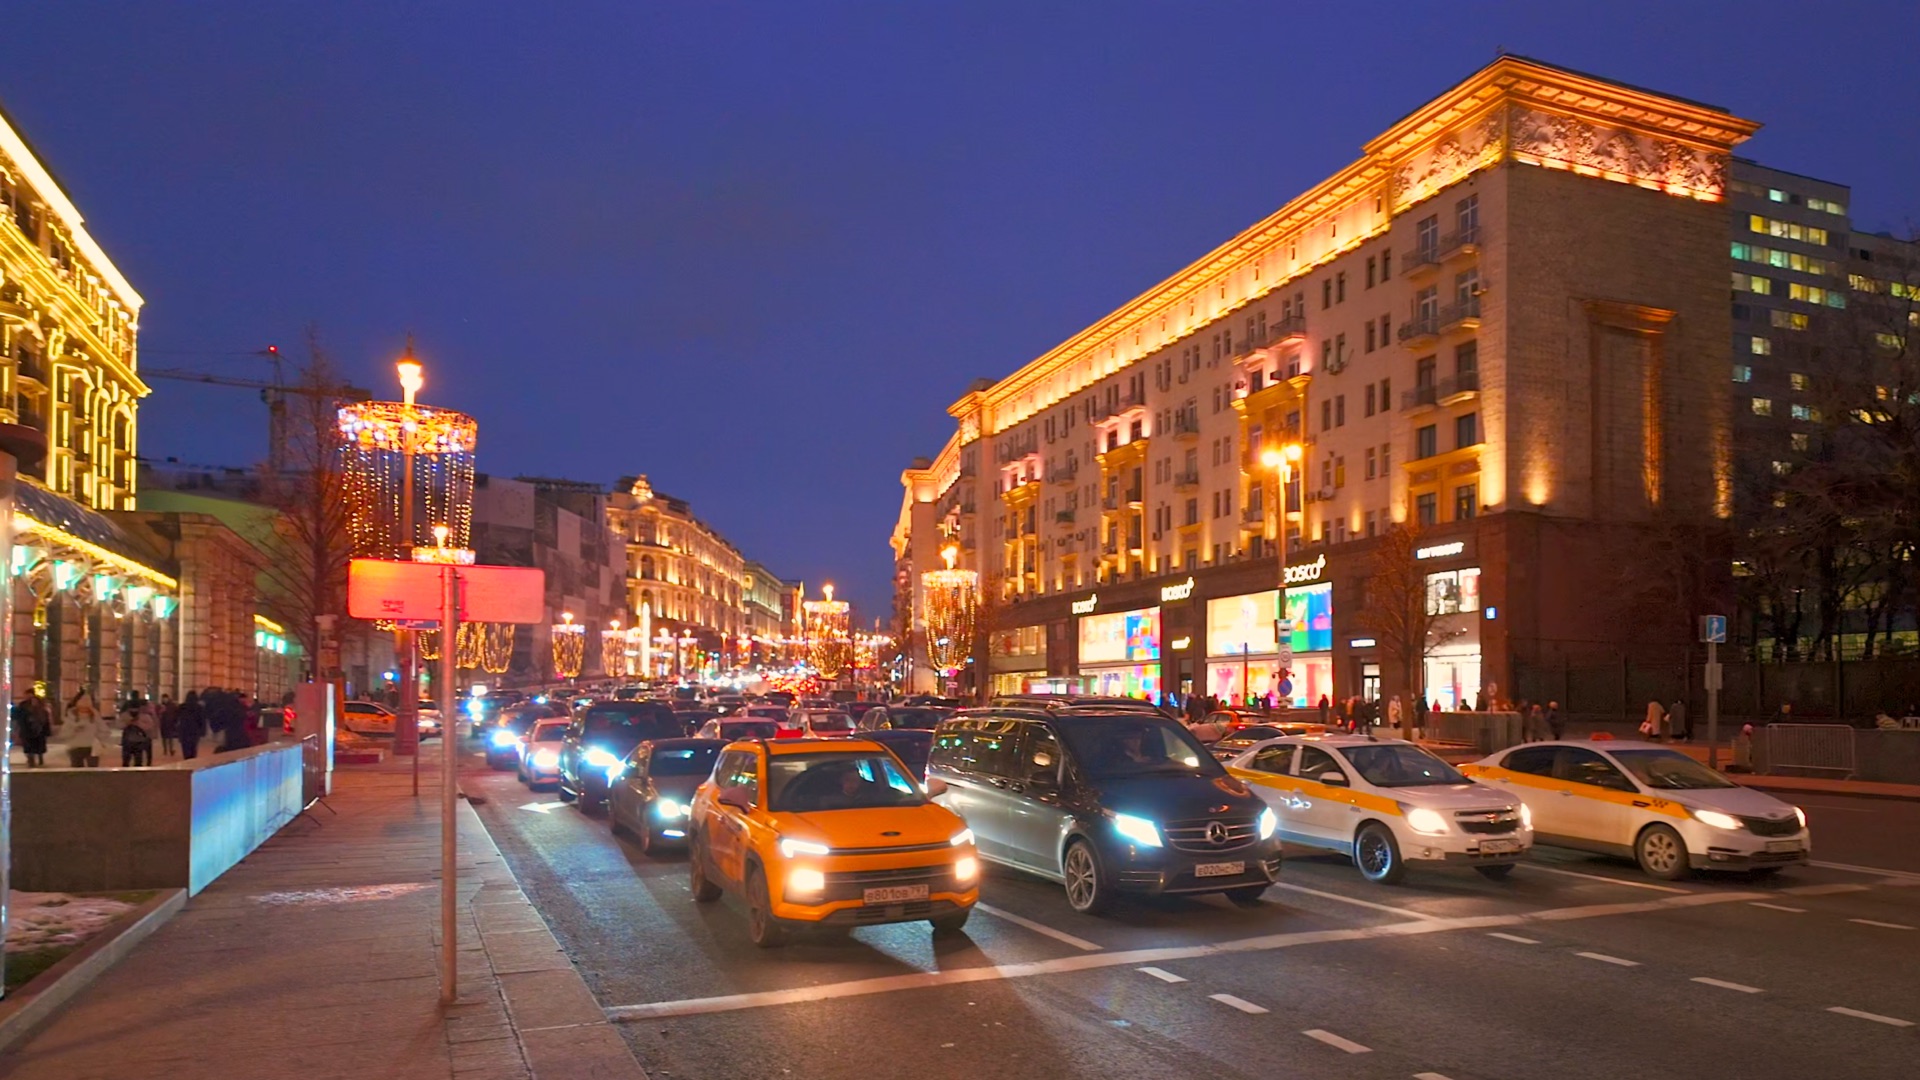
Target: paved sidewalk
(317,957)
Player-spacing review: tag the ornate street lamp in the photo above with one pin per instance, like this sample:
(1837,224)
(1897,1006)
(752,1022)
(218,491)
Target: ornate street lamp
(953,609)
(828,644)
(613,651)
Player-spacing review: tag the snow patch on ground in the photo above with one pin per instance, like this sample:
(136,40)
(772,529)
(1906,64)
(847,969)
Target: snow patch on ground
(39,920)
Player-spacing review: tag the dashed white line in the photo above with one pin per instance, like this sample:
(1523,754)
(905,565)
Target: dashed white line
(1163,975)
(1781,907)
(1605,959)
(1725,985)
(1039,928)
(1890,1021)
(1408,912)
(1602,877)
(1826,890)
(1337,1042)
(1882,925)
(1431,1076)
(1515,938)
(1242,1004)
(1852,869)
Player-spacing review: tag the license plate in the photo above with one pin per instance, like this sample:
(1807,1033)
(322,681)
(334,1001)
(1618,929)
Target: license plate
(1488,846)
(894,894)
(1783,845)
(1219,869)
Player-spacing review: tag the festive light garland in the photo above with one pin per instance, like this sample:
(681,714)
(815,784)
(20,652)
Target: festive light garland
(569,647)
(828,644)
(375,439)
(613,652)
(953,610)
(496,646)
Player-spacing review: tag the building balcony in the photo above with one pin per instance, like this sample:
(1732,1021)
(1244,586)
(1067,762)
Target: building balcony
(1420,397)
(1187,480)
(1462,316)
(1063,517)
(1457,388)
(1426,259)
(1133,499)
(1186,426)
(1064,477)
(1420,331)
(1253,517)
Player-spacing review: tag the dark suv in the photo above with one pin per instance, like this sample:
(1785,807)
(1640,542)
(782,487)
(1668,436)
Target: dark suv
(1105,804)
(601,736)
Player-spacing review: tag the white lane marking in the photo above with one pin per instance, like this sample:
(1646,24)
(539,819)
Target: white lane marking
(1135,957)
(1724,985)
(1852,869)
(1892,1021)
(1781,907)
(1408,912)
(1602,877)
(1337,1042)
(1515,938)
(542,807)
(1431,1076)
(1826,890)
(1605,959)
(1238,1003)
(1058,935)
(1882,925)
(1161,974)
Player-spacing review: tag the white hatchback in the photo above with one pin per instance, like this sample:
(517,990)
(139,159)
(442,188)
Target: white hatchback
(1650,802)
(1385,803)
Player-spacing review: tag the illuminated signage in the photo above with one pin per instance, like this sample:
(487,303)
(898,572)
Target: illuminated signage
(1305,572)
(1441,551)
(1182,642)
(1169,593)
(1085,607)
(1361,643)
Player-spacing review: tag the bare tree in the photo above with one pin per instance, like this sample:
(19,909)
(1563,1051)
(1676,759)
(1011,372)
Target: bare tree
(1398,612)
(310,544)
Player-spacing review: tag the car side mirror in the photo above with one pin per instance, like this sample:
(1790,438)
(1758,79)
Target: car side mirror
(736,797)
(1333,778)
(936,786)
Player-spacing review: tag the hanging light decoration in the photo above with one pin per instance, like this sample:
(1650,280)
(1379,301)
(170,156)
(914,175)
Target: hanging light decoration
(613,651)
(378,440)
(829,646)
(496,647)
(953,607)
(569,646)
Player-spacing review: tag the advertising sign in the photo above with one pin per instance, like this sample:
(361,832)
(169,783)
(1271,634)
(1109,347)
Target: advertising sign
(1120,637)
(1310,618)
(1242,624)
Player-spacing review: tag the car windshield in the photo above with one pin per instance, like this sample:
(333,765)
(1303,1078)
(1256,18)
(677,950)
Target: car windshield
(750,729)
(833,721)
(911,746)
(549,733)
(1255,733)
(1400,765)
(804,783)
(1131,744)
(1670,770)
(917,719)
(683,760)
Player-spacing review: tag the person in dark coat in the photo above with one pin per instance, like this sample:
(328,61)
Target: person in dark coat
(169,728)
(226,719)
(33,724)
(189,725)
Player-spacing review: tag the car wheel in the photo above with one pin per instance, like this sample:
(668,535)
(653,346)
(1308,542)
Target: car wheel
(951,923)
(1087,889)
(591,804)
(1377,854)
(763,928)
(567,794)
(1496,871)
(1661,853)
(705,889)
(1248,897)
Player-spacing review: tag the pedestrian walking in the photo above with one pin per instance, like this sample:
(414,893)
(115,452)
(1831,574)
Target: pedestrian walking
(189,725)
(1742,750)
(169,724)
(1394,711)
(1556,723)
(1326,711)
(1655,723)
(1678,720)
(86,730)
(32,726)
(136,746)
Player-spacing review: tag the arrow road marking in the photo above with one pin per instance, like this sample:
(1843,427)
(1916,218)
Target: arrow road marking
(542,807)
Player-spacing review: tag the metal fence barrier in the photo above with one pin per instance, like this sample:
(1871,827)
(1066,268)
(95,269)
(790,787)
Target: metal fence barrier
(1826,748)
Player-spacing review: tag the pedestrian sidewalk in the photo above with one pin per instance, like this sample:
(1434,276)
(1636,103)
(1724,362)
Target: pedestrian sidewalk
(318,957)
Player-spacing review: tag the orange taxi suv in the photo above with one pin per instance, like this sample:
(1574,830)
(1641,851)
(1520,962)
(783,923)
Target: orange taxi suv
(827,833)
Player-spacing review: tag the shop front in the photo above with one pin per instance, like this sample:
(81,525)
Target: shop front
(1120,653)
(1017,660)
(1453,674)
(1253,649)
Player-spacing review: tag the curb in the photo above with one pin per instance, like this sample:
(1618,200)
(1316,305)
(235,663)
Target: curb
(30,1006)
(1890,796)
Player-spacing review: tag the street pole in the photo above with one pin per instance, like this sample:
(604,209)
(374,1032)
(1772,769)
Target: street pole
(407,736)
(449,786)
(1713,704)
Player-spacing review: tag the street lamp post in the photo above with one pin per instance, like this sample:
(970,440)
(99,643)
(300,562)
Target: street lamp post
(412,378)
(1282,460)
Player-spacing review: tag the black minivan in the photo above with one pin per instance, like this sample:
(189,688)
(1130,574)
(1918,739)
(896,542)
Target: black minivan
(598,741)
(1126,802)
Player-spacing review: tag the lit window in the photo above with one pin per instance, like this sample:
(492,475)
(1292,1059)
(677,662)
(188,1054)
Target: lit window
(1802,441)
(1742,373)
(1887,341)
(1762,406)
(1797,380)
(1782,468)
(1806,412)
(1788,320)
(1760,346)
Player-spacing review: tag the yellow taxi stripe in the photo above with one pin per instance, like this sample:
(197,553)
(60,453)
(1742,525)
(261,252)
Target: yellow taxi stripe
(1366,800)
(1630,799)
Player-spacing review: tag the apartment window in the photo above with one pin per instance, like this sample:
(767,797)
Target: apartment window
(1426,509)
(1386,327)
(1340,350)
(1752,283)
(1326,415)
(1466,216)
(1762,406)
(1466,501)
(1806,412)
(1373,463)
(1760,346)
(1742,373)
(1466,360)
(1386,458)
(1340,287)
(1340,411)
(1193,511)
(1426,304)
(1326,294)
(1372,265)
(1386,394)
(1370,523)
(1371,390)
(1426,442)
(1802,441)
(1326,354)
(1370,335)
(1386,265)
(1781,468)
(1423,371)
(1426,236)
(1466,430)
(1466,287)
(1797,381)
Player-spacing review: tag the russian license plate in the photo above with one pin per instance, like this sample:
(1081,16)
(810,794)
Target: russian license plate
(894,894)
(1219,869)
(1494,847)
(1783,845)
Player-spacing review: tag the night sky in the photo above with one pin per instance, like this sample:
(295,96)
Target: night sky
(755,250)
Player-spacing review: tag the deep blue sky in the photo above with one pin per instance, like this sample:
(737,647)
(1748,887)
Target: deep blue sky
(755,250)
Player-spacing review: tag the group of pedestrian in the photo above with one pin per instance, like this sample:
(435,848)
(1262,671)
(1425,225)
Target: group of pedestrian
(230,717)
(1667,723)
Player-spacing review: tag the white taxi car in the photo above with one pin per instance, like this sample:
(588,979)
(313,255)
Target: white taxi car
(1386,803)
(1651,802)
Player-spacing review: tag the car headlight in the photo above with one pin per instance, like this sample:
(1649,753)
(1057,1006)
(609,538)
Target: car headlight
(1137,829)
(1268,822)
(1426,822)
(503,738)
(1526,816)
(599,758)
(805,879)
(790,849)
(1716,819)
(966,868)
(961,838)
(1802,815)
(546,759)
(672,808)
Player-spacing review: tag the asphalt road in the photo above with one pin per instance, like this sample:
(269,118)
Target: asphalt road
(1573,967)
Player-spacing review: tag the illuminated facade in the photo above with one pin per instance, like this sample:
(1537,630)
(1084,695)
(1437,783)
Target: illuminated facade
(68,323)
(683,578)
(768,604)
(1507,322)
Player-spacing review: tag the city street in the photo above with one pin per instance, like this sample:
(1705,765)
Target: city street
(1573,967)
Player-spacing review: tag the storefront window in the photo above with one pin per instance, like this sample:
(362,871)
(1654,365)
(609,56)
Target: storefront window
(1310,618)
(1452,591)
(1120,637)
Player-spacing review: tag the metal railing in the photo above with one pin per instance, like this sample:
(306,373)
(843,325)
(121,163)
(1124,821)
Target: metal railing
(1419,397)
(1826,748)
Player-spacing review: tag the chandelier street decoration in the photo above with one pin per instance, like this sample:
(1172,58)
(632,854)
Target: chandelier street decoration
(953,607)
(400,457)
(569,646)
(828,643)
(613,651)
(492,645)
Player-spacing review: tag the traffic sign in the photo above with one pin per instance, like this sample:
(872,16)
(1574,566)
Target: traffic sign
(1713,628)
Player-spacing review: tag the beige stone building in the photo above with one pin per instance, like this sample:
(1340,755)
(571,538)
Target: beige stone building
(1506,322)
(684,580)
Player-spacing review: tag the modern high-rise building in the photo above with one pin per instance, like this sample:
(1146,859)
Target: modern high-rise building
(1504,325)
